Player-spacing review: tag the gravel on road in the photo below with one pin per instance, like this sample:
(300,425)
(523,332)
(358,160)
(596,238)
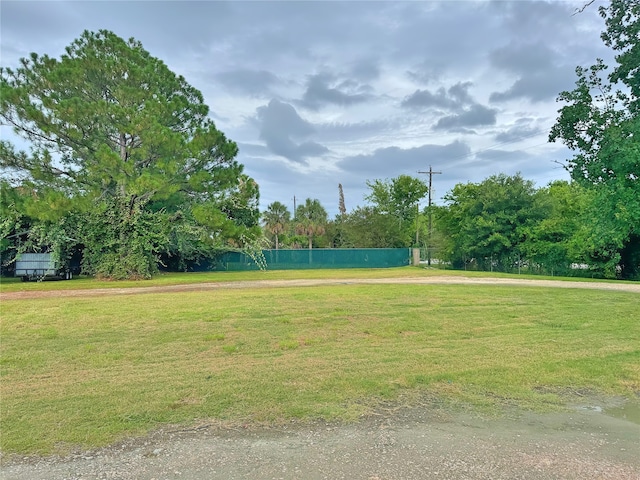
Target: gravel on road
(407,443)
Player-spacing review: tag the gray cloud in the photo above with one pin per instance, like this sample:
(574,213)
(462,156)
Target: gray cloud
(283,130)
(50,27)
(350,131)
(503,155)
(270,173)
(518,132)
(454,98)
(254,83)
(426,99)
(365,70)
(523,59)
(395,160)
(475,116)
(322,89)
(252,149)
(541,75)
(425,73)
(464,111)
(536,20)
(536,166)
(537,86)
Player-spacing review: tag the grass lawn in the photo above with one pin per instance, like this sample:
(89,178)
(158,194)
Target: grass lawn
(87,371)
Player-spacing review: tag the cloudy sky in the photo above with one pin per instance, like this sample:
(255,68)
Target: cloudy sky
(321,93)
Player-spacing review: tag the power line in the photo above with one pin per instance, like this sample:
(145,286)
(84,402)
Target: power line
(501,144)
(522,149)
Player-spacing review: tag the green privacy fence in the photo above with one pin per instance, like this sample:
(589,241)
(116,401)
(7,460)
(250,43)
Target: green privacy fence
(316,258)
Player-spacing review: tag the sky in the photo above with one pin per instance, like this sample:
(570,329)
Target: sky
(318,94)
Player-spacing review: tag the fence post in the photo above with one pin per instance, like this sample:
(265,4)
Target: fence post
(416,256)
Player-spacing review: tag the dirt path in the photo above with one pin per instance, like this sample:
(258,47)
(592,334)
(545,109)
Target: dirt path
(419,442)
(628,287)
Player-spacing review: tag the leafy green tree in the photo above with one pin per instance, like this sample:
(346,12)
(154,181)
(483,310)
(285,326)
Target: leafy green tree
(365,227)
(398,200)
(485,223)
(276,220)
(188,242)
(601,123)
(19,231)
(12,223)
(554,243)
(311,219)
(113,131)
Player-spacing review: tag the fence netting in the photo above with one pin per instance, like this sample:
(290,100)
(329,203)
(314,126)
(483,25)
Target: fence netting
(314,258)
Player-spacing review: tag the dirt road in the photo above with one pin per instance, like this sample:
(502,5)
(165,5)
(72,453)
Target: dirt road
(628,287)
(418,442)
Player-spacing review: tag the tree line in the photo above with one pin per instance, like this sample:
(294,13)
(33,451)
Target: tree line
(125,167)
(503,223)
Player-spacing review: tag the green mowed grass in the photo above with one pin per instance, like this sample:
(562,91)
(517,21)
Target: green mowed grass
(88,371)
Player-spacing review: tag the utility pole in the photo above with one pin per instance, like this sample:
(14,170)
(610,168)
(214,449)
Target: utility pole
(417,225)
(294,207)
(431,173)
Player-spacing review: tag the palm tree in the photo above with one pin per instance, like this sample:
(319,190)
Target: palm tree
(311,219)
(276,219)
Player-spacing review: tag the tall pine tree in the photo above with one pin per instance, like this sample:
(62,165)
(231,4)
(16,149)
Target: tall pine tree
(117,136)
